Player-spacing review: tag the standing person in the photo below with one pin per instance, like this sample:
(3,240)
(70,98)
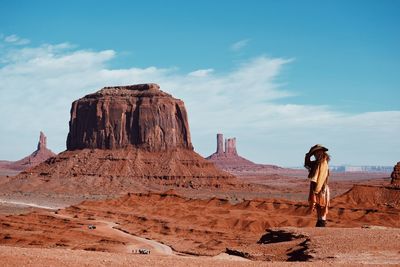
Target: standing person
(318,173)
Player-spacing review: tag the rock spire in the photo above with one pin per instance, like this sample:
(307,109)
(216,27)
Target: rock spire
(42,144)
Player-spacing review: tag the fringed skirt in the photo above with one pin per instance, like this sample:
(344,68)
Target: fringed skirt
(320,200)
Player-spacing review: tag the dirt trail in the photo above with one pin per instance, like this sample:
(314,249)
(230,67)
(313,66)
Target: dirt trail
(33,205)
(108,228)
(111,229)
(136,241)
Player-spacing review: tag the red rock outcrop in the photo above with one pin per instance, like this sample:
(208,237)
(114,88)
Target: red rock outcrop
(141,116)
(41,154)
(228,158)
(125,139)
(396,174)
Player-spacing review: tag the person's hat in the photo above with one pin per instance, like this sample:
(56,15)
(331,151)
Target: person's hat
(317,147)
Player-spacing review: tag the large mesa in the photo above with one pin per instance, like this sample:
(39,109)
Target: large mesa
(140,115)
(125,139)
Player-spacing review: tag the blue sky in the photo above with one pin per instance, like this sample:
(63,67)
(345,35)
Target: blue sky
(279,75)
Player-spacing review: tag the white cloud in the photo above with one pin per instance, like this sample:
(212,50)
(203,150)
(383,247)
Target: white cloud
(201,73)
(14,39)
(39,84)
(239,45)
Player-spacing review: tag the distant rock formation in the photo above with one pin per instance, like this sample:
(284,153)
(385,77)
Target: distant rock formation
(125,139)
(140,115)
(220,144)
(42,153)
(230,146)
(42,145)
(396,174)
(228,158)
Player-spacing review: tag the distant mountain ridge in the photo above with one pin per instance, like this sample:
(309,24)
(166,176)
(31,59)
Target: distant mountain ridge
(350,168)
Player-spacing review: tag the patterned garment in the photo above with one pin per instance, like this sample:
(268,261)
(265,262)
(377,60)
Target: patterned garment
(320,200)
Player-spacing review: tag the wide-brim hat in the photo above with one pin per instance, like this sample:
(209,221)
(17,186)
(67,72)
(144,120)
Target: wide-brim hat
(316,148)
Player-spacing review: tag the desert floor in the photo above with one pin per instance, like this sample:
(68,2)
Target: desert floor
(204,228)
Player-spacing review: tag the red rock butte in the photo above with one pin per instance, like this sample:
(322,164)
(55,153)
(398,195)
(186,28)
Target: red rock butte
(227,158)
(125,139)
(140,115)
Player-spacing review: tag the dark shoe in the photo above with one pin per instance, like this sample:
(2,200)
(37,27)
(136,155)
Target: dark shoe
(321,223)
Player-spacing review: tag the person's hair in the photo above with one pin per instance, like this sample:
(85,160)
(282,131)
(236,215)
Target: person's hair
(323,156)
(311,166)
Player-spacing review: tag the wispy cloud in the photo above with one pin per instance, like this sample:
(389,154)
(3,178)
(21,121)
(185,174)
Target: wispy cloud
(239,45)
(201,73)
(14,39)
(39,84)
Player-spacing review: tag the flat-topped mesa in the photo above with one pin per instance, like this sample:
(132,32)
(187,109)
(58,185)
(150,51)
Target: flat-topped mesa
(140,116)
(125,139)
